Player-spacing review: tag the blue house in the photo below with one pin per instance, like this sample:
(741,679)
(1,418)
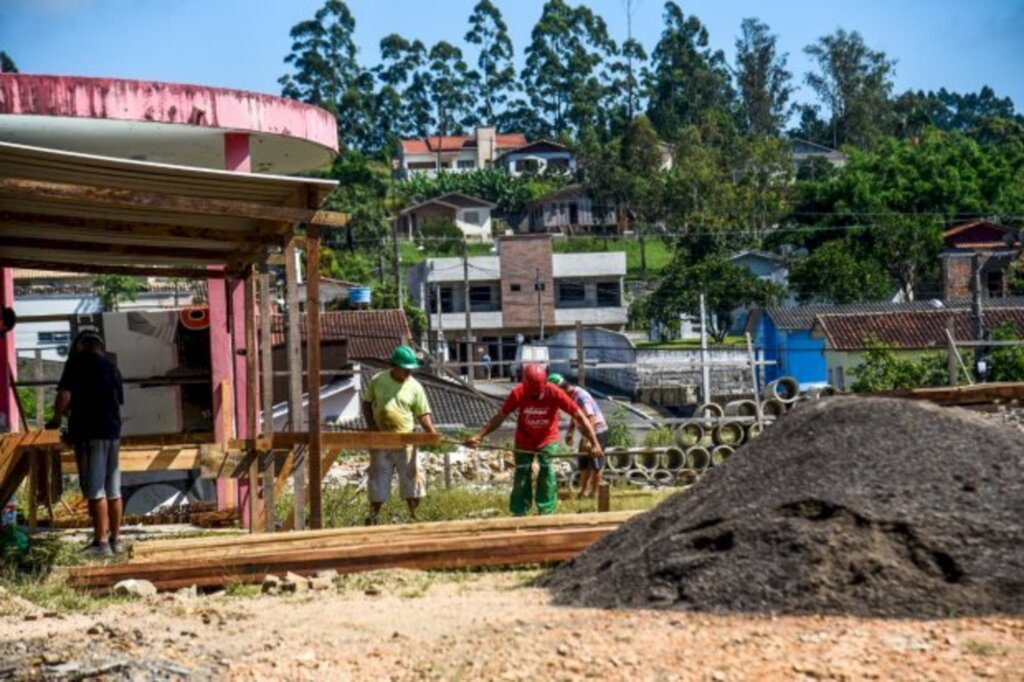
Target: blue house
(784,334)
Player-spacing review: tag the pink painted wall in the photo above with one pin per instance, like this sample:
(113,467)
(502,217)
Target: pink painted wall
(8,407)
(132,100)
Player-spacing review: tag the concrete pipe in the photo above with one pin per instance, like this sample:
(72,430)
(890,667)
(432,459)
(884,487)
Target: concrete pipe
(618,460)
(773,408)
(819,392)
(673,459)
(720,454)
(783,389)
(663,477)
(687,477)
(638,477)
(712,410)
(574,480)
(698,458)
(647,461)
(753,431)
(688,435)
(741,408)
(728,433)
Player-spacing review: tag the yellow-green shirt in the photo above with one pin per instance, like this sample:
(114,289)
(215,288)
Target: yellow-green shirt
(396,405)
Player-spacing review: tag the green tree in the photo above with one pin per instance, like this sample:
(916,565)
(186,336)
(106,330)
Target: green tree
(441,236)
(400,108)
(763,82)
(725,286)
(497,79)
(836,272)
(561,76)
(688,79)
(7,64)
(854,82)
(511,194)
(327,73)
(1007,362)
(451,87)
(114,290)
(884,369)
(950,111)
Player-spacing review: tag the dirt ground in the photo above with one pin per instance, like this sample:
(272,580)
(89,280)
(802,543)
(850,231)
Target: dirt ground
(459,626)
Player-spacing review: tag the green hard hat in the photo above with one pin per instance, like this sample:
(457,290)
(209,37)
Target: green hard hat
(405,358)
(556,379)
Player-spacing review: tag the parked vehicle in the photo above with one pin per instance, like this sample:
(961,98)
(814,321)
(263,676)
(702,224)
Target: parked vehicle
(529,355)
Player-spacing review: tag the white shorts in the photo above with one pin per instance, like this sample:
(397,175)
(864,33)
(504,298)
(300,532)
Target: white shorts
(383,463)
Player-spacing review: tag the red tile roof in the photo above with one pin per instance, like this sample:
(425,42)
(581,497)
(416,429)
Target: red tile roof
(371,334)
(915,330)
(454,143)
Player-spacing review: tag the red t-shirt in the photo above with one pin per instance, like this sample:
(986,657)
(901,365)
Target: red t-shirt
(537,424)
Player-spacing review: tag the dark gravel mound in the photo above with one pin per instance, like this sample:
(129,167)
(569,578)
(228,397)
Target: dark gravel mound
(849,505)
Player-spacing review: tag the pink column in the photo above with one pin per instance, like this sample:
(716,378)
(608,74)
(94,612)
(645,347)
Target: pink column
(237,158)
(8,406)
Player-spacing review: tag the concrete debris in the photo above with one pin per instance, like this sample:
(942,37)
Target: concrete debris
(134,588)
(271,584)
(293,583)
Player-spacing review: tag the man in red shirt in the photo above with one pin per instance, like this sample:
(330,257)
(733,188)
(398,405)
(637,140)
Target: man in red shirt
(538,403)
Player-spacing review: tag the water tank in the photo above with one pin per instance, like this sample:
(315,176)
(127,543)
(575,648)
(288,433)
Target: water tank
(359,296)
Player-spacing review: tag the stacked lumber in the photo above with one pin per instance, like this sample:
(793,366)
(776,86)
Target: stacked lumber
(216,562)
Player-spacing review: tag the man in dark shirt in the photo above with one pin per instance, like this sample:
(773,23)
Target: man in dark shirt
(91,393)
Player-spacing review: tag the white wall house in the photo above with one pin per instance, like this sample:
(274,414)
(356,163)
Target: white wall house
(471,215)
(456,153)
(542,156)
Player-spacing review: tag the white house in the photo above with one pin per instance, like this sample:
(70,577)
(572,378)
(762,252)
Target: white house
(541,156)
(471,215)
(456,153)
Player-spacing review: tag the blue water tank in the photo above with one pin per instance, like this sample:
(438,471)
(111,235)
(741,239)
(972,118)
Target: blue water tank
(359,295)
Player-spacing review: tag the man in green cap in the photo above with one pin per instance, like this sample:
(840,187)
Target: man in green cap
(394,401)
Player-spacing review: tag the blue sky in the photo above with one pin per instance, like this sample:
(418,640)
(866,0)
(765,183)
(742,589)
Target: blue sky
(240,43)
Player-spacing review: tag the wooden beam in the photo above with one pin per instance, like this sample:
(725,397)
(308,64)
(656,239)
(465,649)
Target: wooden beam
(177,254)
(69,255)
(44,263)
(313,372)
(103,227)
(252,397)
(171,203)
(296,418)
(267,395)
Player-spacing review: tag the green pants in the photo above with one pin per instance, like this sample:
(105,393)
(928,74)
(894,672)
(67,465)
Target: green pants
(522,485)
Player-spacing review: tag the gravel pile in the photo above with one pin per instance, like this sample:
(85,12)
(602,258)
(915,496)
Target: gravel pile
(848,505)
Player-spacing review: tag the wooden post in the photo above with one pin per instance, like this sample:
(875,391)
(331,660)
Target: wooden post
(313,373)
(447,470)
(40,391)
(604,497)
(267,391)
(295,414)
(33,491)
(952,364)
(753,380)
(581,370)
(251,397)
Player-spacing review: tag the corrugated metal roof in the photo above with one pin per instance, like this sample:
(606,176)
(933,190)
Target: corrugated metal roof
(803,316)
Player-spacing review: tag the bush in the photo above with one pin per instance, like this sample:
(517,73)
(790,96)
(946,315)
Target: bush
(660,437)
(619,433)
(884,370)
(441,236)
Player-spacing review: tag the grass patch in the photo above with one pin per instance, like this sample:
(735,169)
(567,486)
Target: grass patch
(727,342)
(243,590)
(410,254)
(980,648)
(659,254)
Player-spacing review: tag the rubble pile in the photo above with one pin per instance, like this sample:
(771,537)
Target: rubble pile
(860,506)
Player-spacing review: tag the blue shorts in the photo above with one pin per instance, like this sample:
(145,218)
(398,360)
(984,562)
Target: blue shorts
(99,471)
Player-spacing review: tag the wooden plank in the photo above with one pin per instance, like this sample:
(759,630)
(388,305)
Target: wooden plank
(186,546)
(313,372)
(296,418)
(422,553)
(135,461)
(252,398)
(42,262)
(961,395)
(267,397)
(170,203)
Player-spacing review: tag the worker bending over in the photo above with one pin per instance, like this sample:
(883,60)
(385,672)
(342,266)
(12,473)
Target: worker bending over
(538,404)
(590,466)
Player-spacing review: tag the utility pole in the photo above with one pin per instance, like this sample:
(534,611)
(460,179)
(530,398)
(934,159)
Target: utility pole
(469,317)
(981,368)
(425,302)
(539,287)
(951,362)
(705,369)
(394,235)
(581,368)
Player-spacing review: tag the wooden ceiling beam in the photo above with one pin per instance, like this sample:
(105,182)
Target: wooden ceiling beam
(172,203)
(177,253)
(103,227)
(95,269)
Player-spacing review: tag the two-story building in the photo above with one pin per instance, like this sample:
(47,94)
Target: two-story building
(456,153)
(991,247)
(524,293)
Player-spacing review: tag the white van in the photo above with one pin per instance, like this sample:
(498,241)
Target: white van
(529,355)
